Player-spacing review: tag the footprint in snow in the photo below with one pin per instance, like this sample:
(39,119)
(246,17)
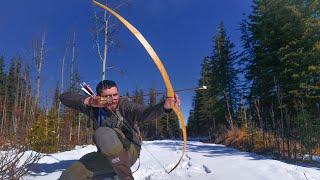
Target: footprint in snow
(188,156)
(189,164)
(147,178)
(206,169)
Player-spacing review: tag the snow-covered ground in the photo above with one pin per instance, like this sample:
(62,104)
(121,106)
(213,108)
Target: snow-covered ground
(202,161)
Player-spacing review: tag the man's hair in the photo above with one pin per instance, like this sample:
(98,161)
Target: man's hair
(105,84)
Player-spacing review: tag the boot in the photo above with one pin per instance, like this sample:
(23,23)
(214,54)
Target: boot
(121,165)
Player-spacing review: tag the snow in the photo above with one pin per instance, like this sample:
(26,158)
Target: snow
(201,161)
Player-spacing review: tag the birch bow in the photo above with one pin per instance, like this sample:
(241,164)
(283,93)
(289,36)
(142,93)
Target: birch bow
(164,74)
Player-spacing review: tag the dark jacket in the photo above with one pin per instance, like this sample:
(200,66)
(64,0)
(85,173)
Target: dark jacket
(130,111)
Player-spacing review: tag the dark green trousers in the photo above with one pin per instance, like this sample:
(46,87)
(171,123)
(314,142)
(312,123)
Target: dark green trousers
(104,164)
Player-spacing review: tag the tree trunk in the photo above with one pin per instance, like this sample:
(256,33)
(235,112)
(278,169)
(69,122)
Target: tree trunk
(25,104)
(70,131)
(229,114)
(16,109)
(39,58)
(79,128)
(4,111)
(102,54)
(61,90)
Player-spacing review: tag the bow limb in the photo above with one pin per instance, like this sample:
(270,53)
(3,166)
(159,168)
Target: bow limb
(158,62)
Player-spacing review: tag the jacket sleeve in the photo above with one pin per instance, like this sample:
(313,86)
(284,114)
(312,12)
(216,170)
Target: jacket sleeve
(141,113)
(75,101)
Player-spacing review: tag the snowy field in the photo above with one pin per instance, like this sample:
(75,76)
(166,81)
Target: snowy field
(202,161)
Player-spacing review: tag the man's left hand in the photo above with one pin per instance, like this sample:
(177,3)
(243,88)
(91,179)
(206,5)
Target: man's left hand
(170,102)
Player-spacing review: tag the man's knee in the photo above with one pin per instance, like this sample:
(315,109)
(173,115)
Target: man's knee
(108,141)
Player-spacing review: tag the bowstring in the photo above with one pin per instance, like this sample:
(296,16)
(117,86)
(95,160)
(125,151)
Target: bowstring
(159,163)
(129,128)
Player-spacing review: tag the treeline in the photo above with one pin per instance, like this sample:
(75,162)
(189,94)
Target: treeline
(32,118)
(166,127)
(267,97)
(42,123)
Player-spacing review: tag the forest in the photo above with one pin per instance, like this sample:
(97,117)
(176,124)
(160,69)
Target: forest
(266,97)
(263,97)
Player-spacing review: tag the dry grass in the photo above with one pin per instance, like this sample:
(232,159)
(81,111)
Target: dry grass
(261,142)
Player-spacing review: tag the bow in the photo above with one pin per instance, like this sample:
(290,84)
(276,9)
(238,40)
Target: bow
(164,74)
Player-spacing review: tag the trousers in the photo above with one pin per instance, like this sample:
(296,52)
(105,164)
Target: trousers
(112,160)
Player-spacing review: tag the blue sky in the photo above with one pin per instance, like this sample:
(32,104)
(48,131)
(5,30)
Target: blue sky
(180,31)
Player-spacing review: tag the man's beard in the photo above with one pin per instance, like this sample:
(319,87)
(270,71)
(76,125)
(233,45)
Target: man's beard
(112,106)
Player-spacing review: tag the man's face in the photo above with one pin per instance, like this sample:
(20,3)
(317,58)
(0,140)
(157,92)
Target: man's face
(113,94)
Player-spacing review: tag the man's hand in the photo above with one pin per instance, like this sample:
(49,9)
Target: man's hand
(97,101)
(171,102)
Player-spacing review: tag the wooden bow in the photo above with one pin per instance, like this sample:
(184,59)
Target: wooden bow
(164,74)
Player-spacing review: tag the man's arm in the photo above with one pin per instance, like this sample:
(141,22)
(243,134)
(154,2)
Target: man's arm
(138,112)
(144,113)
(75,101)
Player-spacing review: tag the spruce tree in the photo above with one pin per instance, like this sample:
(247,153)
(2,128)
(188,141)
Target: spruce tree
(282,41)
(223,79)
(198,123)
(217,105)
(148,128)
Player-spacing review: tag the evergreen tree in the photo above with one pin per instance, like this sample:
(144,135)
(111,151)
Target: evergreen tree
(13,90)
(2,79)
(168,126)
(43,135)
(223,74)
(201,104)
(191,125)
(152,97)
(138,96)
(281,40)
(217,105)
(56,101)
(147,127)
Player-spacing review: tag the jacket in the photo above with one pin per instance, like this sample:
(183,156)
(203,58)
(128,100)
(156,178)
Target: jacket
(129,112)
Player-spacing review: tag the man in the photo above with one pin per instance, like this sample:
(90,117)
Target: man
(116,133)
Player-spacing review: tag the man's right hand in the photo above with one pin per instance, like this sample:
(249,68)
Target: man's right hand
(96,101)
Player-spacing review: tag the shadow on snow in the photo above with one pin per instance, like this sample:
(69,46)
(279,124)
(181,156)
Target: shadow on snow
(217,150)
(44,169)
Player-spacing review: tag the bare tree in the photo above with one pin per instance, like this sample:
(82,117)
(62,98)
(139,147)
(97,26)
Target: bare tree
(39,53)
(4,110)
(73,75)
(26,96)
(14,117)
(63,59)
(79,127)
(104,36)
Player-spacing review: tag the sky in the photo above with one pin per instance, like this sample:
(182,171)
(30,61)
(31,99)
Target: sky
(180,31)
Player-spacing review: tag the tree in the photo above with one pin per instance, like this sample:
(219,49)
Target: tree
(224,74)
(105,31)
(12,93)
(138,96)
(217,105)
(281,45)
(201,103)
(39,56)
(2,91)
(2,80)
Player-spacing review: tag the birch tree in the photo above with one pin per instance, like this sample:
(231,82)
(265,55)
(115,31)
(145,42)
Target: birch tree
(104,33)
(39,55)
